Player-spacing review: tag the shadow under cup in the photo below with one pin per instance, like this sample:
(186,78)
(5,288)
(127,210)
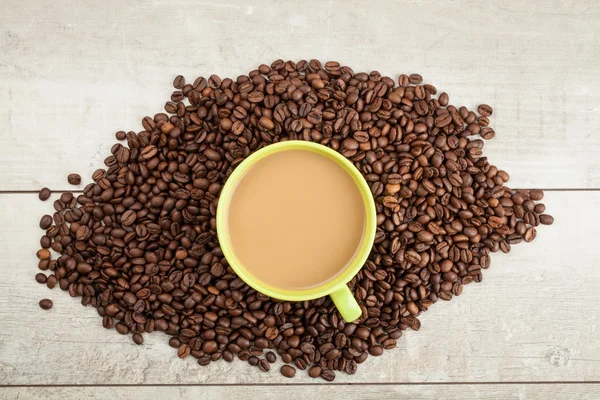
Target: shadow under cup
(303,244)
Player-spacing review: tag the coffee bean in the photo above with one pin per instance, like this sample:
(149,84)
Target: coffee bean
(315,371)
(74,179)
(264,365)
(536,194)
(43,254)
(415,79)
(204,360)
(546,219)
(44,194)
(137,338)
(530,234)
(41,278)
(140,242)
(122,328)
(443,120)
(328,375)
(485,110)
(487,133)
(45,222)
(183,351)
(128,218)
(288,371)
(179,82)
(271,357)
(66,197)
(443,99)
(46,304)
(51,281)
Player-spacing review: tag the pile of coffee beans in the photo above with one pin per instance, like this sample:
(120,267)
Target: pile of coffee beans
(140,243)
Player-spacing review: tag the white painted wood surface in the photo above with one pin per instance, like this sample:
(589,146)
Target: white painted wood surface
(79,71)
(535,317)
(363,392)
(74,72)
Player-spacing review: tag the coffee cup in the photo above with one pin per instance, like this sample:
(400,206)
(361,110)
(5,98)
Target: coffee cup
(238,224)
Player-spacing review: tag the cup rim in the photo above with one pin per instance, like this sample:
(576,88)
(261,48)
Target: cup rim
(297,294)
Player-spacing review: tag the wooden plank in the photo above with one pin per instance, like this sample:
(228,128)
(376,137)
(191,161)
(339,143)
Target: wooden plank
(535,317)
(73,73)
(379,392)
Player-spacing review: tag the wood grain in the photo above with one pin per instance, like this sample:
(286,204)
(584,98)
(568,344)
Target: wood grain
(535,317)
(75,72)
(366,392)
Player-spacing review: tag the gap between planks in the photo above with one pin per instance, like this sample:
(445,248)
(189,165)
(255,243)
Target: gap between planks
(307,384)
(81,191)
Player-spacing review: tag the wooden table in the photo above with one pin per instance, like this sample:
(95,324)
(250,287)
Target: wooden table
(74,72)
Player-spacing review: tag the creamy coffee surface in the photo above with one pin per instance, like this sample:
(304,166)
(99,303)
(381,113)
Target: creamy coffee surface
(296,219)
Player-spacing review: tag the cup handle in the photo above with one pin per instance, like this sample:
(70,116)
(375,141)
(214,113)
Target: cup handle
(346,304)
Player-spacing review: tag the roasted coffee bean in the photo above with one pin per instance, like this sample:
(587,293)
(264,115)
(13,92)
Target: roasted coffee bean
(179,82)
(536,194)
(43,254)
(51,281)
(415,79)
(45,222)
(271,357)
(122,328)
(546,219)
(443,99)
(128,218)
(183,351)
(44,194)
(74,179)
(315,371)
(140,243)
(485,110)
(41,278)
(66,197)
(264,365)
(137,338)
(328,375)
(46,304)
(288,371)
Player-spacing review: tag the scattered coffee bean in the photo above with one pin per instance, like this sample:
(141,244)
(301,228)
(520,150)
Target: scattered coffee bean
(41,278)
(264,365)
(44,194)
(137,338)
(45,242)
(546,219)
(179,82)
(536,194)
(183,351)
(485,110)
(288,371)
(74,179)
(122,328)
(315,371)
(66,197)
(328,375)
(271,357)
(51,281)
(43,254)
(45,222)
(46,304)
(140,245)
